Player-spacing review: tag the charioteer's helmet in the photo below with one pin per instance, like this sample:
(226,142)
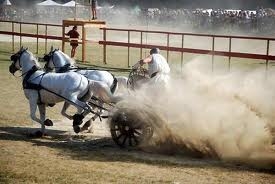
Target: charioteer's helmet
(154,51)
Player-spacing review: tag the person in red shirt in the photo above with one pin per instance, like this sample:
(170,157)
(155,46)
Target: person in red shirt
(74,36)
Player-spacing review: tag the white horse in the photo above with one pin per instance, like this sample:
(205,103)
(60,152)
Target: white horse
(61,62)
(42,89)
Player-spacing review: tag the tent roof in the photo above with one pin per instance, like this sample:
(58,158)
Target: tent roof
(69,4)
(6,2)
(48,3)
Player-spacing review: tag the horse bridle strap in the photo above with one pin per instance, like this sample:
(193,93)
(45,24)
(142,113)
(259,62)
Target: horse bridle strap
(29,85)
(64,68)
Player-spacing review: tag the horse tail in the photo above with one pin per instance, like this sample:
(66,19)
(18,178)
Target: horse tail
(114,85)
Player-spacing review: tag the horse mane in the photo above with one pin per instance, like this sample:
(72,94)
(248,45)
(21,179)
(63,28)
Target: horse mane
(67,58)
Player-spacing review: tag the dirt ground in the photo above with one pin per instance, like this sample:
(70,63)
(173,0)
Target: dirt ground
(63,157)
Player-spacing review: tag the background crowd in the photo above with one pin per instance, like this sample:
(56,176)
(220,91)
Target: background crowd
(258,21)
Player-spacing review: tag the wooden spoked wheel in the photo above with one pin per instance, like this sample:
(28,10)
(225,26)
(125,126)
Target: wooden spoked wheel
(127,131)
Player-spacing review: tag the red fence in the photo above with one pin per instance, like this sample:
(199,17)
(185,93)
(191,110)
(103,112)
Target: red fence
(30,35)
(141,45)
(267,57)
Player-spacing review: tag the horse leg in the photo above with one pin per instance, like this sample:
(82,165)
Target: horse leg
(33,108)
(83,110)
(64,109)
(42,111)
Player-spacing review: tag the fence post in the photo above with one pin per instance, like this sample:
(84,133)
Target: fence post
(213,48)
(267,53)
(63,37)
(83,43)
(128,48)
(182,46)
(229,58)
(46,40)
(20,31)
(168,39)
(104,46)
(12,28)
(141,43)
(36,38)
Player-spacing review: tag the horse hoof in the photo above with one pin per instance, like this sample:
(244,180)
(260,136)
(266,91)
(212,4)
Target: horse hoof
(76,129)
(77,119)
(48,122)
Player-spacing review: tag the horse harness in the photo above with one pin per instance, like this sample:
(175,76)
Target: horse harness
(29,85)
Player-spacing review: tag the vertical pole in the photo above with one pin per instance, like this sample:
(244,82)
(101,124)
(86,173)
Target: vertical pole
(63,36)
(229,58)
(46,40)
(90,9)
(75,11)
(267,53)
(20,31)
(213,48)
(36,38)
(168,43)
(182,46)
(104,46)
(12,29)
(141,43)
(128,49)
(83,43)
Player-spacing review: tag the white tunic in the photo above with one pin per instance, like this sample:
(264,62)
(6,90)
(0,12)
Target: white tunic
(158,64)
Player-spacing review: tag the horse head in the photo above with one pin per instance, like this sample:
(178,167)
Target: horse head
(57,60)
(23,59)
(15,58)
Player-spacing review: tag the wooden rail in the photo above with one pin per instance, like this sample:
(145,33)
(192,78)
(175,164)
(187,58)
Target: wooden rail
(128,44)
(36,35)
(182,49)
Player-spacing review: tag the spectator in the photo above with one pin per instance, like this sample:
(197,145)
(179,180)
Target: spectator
(94,4)
(74,36)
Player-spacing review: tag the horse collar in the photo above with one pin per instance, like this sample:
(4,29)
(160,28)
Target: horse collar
(64,68)
(26,83)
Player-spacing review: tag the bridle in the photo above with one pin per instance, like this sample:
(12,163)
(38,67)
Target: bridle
(17,57)
(49,57)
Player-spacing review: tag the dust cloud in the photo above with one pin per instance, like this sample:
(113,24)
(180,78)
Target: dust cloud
(229,116)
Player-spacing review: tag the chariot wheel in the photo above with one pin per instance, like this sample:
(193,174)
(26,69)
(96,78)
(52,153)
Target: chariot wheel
(127,131)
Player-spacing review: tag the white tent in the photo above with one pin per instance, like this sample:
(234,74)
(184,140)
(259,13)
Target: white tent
(48,3)
(69,4)
(7,2)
